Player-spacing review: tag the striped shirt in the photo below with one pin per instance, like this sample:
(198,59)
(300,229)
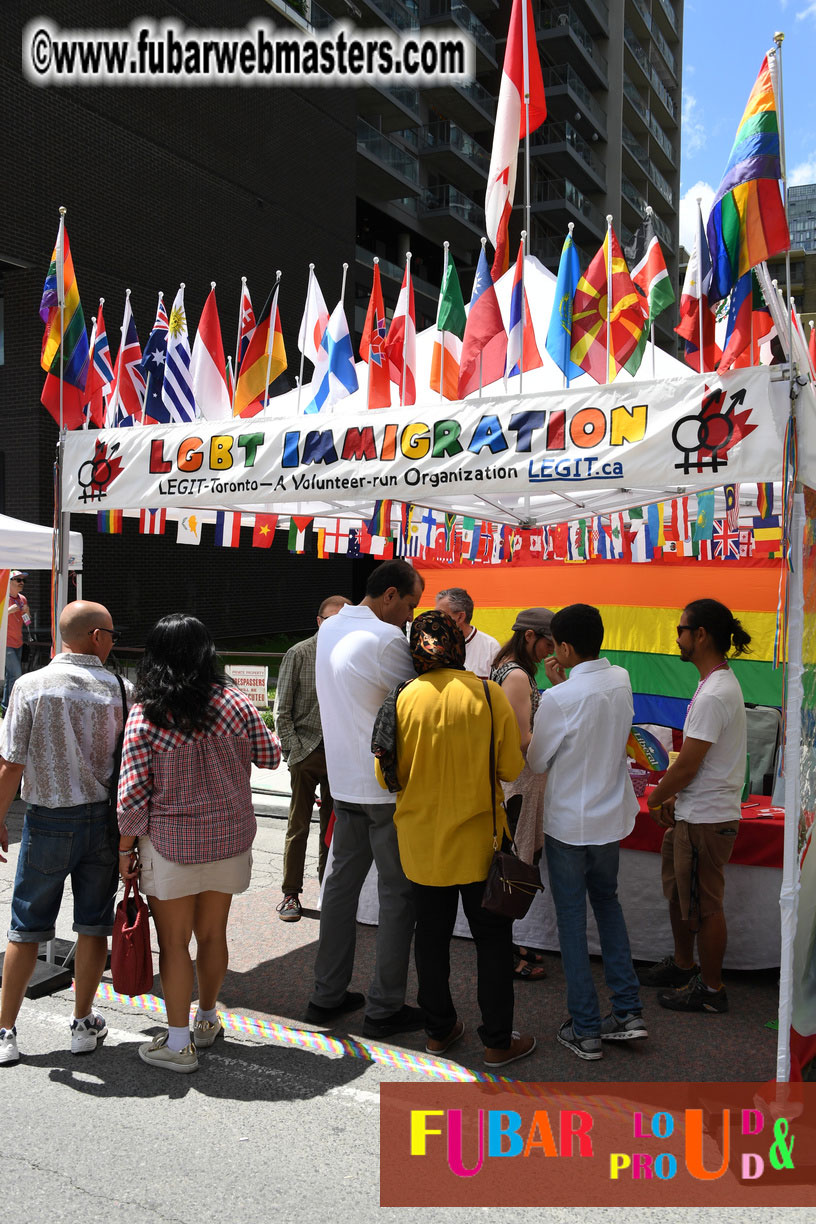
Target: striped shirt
(190,792)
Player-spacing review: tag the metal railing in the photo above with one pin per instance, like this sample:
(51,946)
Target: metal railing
(565,133)
(386,152)
(565,17)
(564,75)
(443,134)
(465,18)
(554,191)
(450,200)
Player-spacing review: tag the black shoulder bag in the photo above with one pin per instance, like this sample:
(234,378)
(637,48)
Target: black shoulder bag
(511,884)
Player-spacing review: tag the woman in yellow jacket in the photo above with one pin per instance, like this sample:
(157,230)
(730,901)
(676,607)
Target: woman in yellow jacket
(432,741)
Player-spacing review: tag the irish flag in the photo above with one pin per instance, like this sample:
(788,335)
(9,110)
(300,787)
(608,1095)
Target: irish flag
(450,329)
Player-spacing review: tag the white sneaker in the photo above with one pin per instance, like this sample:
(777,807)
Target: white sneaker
(9,1054)
(205,1033)
(157,1054)
(86,1034)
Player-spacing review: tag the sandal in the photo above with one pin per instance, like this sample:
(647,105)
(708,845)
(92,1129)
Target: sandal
(532,955)
(527,972)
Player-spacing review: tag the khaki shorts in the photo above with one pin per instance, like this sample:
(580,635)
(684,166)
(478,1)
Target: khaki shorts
(167,881)
(709,847)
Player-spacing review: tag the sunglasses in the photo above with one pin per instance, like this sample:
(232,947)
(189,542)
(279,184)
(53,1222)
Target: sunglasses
(20,580)
(683,628)
(115,635)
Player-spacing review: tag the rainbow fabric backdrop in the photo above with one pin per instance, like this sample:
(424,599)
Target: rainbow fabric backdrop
(747,220)
(639,605)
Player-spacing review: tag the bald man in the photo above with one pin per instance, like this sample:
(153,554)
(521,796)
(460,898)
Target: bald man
(59,737)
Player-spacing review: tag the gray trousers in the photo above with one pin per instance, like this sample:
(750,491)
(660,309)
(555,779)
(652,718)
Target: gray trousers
(364,832)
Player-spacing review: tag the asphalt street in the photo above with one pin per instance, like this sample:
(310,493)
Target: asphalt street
(280,1123)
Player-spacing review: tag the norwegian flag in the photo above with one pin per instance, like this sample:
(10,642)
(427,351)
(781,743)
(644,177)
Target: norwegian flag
(725,541)
(246,326)
(100,374)
(227,529)
(152,522)
(126,399)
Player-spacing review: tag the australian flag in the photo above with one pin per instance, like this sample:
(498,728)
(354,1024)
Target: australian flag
(152,369)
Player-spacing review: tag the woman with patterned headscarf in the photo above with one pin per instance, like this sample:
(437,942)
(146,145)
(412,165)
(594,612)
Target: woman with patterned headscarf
(434,735)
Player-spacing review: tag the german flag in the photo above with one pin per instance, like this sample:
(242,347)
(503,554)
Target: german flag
(252,381)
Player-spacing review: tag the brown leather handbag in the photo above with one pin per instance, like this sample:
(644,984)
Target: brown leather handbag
(511,884)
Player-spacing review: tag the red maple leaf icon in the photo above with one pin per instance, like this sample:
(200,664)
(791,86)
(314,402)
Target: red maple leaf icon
(96,475)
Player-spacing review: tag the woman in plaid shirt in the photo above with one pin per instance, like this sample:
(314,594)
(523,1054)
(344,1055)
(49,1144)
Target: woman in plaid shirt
(186,819)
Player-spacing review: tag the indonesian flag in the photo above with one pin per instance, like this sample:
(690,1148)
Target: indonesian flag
(207,367)
(315,320)
(372,346)
(400,345)
(521,78)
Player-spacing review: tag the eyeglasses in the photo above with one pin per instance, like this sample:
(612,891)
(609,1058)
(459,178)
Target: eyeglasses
(115,635)
(682,628)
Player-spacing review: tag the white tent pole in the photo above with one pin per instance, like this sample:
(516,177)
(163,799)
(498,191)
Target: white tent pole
(302,354)
(788,899)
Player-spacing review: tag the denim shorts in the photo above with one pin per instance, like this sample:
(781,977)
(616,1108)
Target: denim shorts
(58,843)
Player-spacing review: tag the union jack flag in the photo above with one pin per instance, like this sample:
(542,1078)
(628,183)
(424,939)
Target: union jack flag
(126,400)
(726,541)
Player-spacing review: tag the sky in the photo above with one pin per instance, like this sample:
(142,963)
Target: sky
(723,47)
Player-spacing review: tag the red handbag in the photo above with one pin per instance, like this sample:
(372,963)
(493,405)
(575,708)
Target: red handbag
(131,958)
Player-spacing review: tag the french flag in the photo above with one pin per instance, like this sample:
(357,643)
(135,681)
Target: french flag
(522,351)
(227,529)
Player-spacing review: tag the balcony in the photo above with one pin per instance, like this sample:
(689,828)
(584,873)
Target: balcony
(436,12)
(663,94)
(635,99)
(553,24)
(384,168)
(633,146)
(662,183)
(551,196)
(439,141)
(633,43)
(600,12)
(452,214)
(389,107)
(668,9)
(394,272)
(401,17)
(466,102)
(663,232)
(563,146)
(561,80)
(630,193)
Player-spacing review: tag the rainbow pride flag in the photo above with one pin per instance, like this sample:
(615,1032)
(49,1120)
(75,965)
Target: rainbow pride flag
(75,339)
(747,222)
(109,522)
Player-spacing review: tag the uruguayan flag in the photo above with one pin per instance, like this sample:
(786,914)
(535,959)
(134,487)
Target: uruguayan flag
(177,388)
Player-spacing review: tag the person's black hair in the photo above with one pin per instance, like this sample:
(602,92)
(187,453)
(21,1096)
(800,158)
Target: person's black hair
(397,574)
(177,673)
(720,623)
(579,625)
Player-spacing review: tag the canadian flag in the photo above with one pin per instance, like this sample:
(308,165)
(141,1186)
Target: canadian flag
(208,367)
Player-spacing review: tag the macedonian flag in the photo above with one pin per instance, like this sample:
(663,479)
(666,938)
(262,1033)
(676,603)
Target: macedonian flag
(590,311)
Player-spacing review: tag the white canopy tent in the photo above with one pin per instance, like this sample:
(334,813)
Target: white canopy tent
(27,546)
(539,457)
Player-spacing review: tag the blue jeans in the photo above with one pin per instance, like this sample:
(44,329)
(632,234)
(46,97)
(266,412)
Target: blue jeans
(575,872)
(14,670)
(57,843)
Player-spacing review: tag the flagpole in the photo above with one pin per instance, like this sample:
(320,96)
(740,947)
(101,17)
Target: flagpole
(608,293)
(302,354)
(405,328)
(649,213)
(368,363)
(238,336)
(525,60)
(779,38)
(442,355)
(270,338)
(523,299)
(570,228)
(91,346)
(484,244)
(60,574)
(700,281)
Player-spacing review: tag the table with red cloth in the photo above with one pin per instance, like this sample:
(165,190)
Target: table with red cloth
(753,879)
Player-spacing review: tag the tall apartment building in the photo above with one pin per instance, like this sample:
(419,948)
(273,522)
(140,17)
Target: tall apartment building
(611,142)
(802,216)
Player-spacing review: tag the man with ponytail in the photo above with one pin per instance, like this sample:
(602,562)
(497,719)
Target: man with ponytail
(698,803)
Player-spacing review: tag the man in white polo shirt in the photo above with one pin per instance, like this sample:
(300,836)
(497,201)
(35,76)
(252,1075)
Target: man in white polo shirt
(480,648)
(579,740)
(362,653)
